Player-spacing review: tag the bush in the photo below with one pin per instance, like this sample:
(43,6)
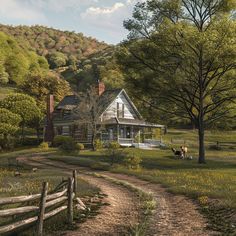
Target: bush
(132,161)
(98,144)
(114,152)
(79,146)
(59,140)
(68,144)
(44,146)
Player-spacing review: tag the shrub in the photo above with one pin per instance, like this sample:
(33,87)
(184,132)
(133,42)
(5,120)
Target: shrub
(59,140)
(132,161)
(98,144)
(68,144)
(114,152)
(79,146)
(44,146)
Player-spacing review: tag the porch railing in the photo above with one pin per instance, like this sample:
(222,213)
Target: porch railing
(126,141)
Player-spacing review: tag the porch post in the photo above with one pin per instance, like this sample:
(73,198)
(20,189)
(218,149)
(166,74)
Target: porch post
(118,132)
(132,133)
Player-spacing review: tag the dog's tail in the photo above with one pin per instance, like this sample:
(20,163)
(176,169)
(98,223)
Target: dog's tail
(173,150)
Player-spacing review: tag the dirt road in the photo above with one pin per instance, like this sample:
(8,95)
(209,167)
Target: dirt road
(175,215)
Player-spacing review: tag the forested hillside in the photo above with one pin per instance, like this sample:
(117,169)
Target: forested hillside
(16,63)
(59,47)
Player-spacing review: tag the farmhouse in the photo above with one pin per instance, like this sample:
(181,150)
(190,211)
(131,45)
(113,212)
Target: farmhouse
(119,120)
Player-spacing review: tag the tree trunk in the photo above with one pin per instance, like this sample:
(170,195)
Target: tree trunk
(201,137)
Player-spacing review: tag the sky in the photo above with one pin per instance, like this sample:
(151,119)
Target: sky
(102,19)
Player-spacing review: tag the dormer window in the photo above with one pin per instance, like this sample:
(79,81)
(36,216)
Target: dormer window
(120,110)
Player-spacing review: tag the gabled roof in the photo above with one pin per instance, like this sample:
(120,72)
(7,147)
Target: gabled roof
(68,102)
(110,95)
(107,97)
(105,100)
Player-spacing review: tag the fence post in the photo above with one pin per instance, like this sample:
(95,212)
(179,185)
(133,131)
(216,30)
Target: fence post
(42,209)
(75,181)
(70,201)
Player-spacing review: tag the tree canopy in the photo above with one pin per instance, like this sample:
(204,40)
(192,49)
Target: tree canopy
(180,58)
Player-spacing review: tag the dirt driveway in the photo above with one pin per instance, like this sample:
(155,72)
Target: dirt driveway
(175,215)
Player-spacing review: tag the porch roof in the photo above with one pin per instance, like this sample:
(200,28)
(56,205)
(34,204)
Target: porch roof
(134,122)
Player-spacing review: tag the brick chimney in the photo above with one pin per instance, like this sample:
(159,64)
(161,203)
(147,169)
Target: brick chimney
(49,133)
(101,88)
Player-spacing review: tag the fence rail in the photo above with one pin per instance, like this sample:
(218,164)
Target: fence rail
(67,193)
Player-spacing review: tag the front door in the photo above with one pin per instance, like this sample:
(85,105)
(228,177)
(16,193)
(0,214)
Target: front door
(128,132)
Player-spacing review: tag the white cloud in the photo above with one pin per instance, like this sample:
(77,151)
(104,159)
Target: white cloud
(109,20)
(62,5)
(96,11)
(19,10)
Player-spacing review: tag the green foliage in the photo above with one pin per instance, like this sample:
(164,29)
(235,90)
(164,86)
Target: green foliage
(132,161)
(21,104)
(58,46)
(65,143)
(68,145)
(114,152)
(44,146)
(79,146)
(9,117)
(25,107)
(103,66)
(59,140)
(39,86)
(15,62)
(57,59)
(9,125)
(181,63)
(98,144)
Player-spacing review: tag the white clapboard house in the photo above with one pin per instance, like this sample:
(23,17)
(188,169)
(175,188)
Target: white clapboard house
(120,120)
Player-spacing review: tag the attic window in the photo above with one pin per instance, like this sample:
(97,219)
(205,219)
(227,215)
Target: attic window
(120,110)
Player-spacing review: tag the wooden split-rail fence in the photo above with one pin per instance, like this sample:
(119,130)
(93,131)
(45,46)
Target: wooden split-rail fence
(61,199)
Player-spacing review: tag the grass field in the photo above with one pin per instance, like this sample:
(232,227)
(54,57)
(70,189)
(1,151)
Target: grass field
(211,185)
(216,179)
(213,182)
(31,182)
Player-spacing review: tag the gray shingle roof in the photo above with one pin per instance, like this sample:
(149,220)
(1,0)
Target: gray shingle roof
(71,101)
(68,102)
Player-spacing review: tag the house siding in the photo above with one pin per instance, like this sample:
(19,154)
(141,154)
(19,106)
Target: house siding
(111,112)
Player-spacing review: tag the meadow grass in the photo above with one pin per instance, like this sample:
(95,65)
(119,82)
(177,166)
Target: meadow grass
(216,179)
(30,182)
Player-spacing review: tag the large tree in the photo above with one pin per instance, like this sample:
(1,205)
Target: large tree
(9,125)
(181,57)
(24,106)
(40,85)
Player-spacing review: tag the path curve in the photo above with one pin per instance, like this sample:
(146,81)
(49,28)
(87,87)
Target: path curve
(115,218)
(175,215)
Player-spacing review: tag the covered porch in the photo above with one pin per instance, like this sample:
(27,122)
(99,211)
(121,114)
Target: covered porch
(129,133)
